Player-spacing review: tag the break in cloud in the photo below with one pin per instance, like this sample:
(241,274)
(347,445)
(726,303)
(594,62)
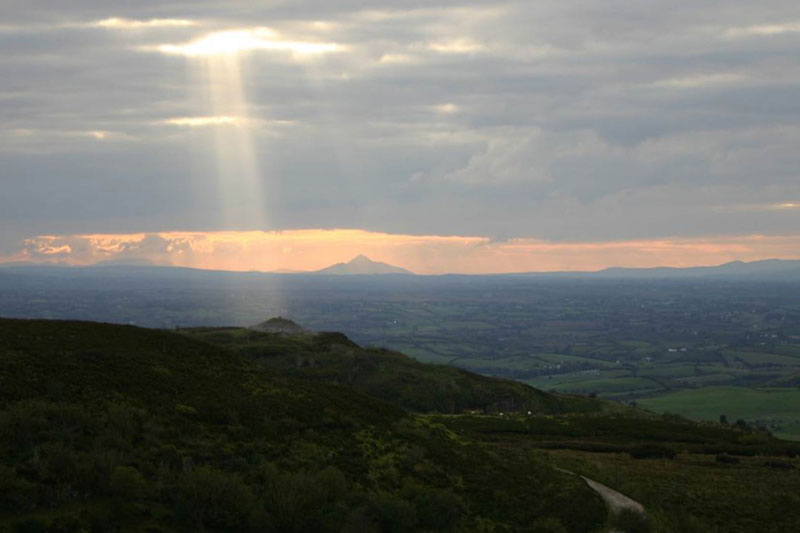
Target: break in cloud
(315,249)
(568,123)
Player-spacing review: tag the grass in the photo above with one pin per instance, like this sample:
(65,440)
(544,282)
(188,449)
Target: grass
(605,383)
(668,371)
(781,405)
(760,358)
(572,359)
(697,494)
(620,385)
(792,350)
(506,363)
(708,380)
(422,355)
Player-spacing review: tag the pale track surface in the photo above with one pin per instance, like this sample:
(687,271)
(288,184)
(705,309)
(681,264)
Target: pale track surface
(614,500)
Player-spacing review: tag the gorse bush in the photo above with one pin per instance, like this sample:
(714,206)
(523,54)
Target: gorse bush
(631,521)
(208,498)
(16,493)
(652,451)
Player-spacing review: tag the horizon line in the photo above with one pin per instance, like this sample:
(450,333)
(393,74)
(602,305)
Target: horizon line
(309,250)
(319,272)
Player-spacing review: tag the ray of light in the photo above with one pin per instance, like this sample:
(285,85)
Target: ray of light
(240,183)
(118,23)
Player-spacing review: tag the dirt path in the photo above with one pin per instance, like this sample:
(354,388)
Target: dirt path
(614,500)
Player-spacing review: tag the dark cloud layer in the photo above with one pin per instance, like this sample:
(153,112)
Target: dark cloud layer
(594,120)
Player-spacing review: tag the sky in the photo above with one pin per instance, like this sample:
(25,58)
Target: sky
(472,136)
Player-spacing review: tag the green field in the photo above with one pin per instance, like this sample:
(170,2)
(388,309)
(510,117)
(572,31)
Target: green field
(512,363)
(760,359)
(777,408)
(604,383)
(572,359)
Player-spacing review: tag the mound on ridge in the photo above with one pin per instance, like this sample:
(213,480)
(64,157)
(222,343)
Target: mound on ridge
(389,375)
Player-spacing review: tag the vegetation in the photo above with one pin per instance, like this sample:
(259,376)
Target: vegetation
(777,409)
(389,375)
(109,428)
(631,340)
(696,494)
(117,428)
(691,478)
(626,432)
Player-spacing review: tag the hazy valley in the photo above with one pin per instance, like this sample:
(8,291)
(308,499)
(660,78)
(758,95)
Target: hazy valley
(700,347)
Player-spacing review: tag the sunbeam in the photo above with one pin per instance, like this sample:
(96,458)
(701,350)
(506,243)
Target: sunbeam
(241,185)
(221,58)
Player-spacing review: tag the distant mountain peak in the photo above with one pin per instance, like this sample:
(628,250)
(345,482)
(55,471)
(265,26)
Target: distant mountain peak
(763,269)
(361,264)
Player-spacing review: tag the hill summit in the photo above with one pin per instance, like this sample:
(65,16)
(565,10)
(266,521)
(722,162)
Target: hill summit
(280,326)
(362,264)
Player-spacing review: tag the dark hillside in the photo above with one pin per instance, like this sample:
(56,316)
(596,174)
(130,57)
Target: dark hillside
(116,428)
(390,375)
(690,477)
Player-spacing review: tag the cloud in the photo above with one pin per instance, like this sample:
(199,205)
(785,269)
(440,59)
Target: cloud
(701,80)
(116,23)
(202,121)
(567,122)
(456,46)
(244,40)
(778,206)
(431,254)
(764,29)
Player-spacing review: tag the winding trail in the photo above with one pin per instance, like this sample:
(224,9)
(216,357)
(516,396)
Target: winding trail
(614,500)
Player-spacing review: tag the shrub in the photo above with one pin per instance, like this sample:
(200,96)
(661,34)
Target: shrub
(305,501)
(208,498)
(652,451)
(56,462)
(67,524)
(127,483)
(548,525)
(392,514)
(631,521)
(16,494)
(780,465)
(29,525)
(437,510)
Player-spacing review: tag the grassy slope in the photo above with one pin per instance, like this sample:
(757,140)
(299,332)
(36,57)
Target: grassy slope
(104,426)
(692,493)
(756,489)
(696,494)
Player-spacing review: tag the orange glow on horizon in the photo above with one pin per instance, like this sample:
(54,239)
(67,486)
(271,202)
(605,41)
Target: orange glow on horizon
(312,249)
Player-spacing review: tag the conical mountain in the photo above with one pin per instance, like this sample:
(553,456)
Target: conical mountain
(362,264)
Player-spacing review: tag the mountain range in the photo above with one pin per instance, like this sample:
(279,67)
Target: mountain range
(764,270)
(770,269)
